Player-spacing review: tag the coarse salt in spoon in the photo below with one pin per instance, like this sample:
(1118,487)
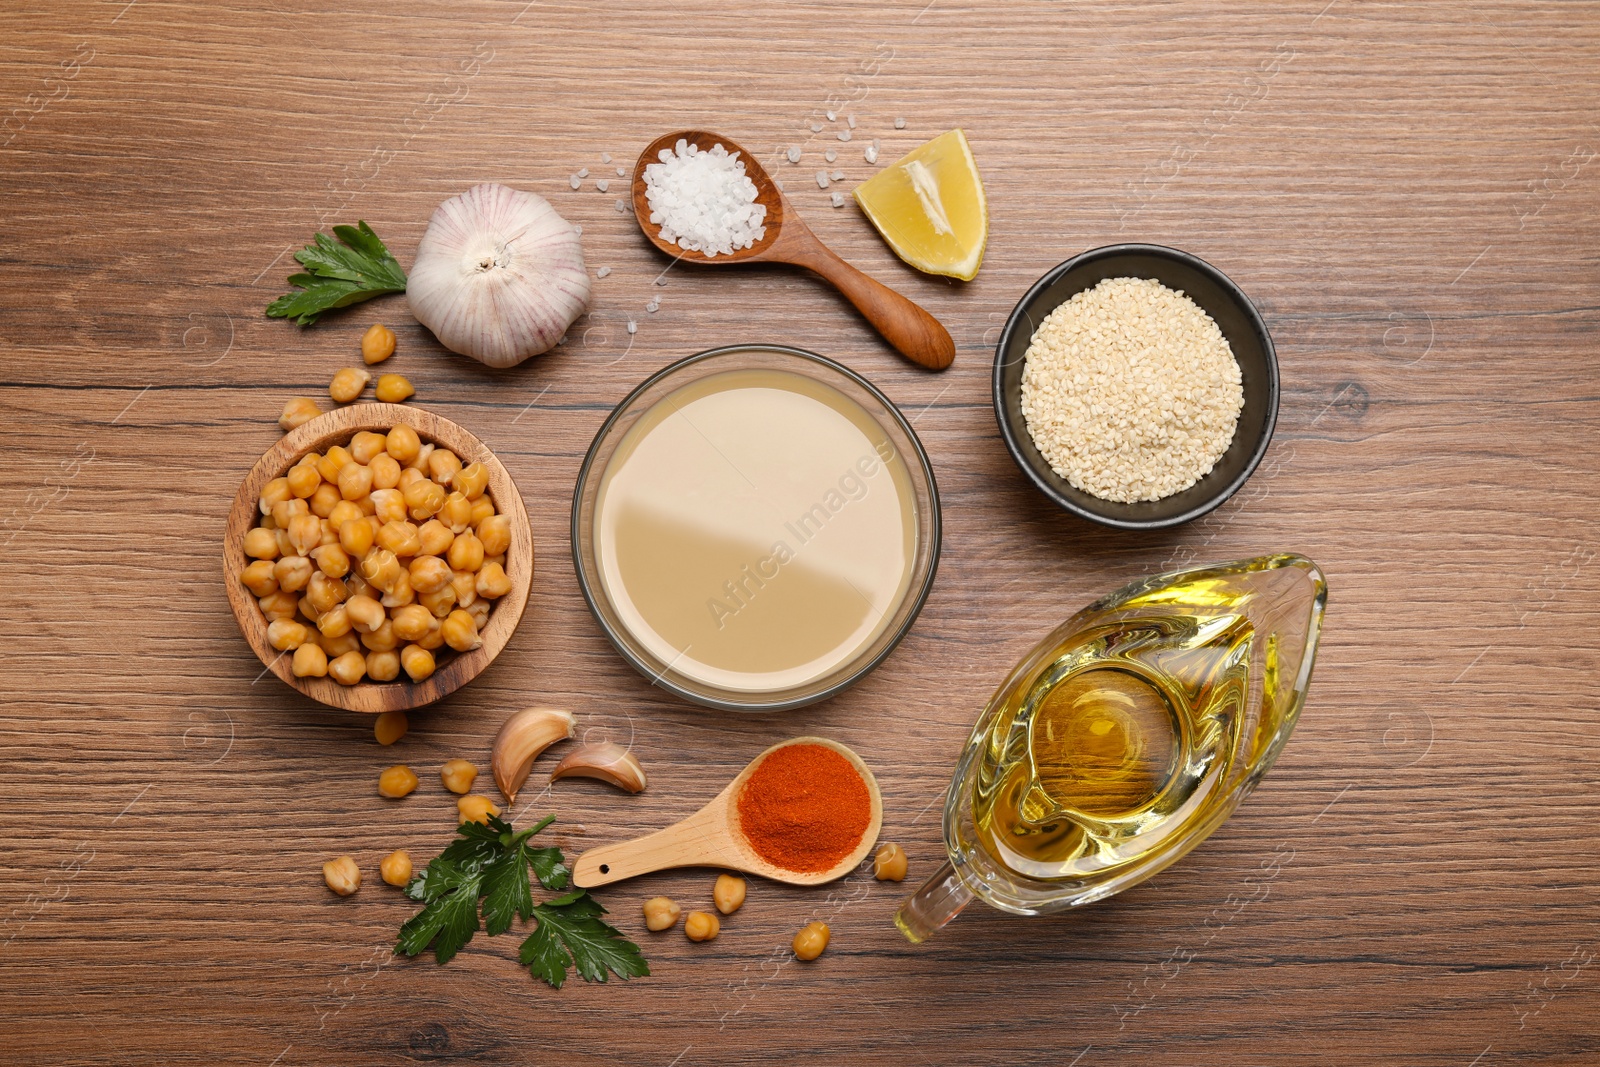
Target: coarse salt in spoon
(712,837)
(913,332)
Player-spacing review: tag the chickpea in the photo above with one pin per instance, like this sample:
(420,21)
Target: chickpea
(466,552)
(429,574)
(258,577)
(460,630)
(260,544)
(292,572)
(343,512)
(355,537)
(410,476)
(443,465)
(337,647)
(389,504)
(424,498)
(811,940)
(458,776)
(440,601)
(308,609)
(324,500)
(404,444)
(430,642)
(411,622)
(303,481)
(435,537)
(420,461)
(401,538)
(397,781)
(381,568)
(331,462)
(479,609)
(417,661)
(366,614)
(332,560)
(310,661)
(281,536)
(377,345)
(348,667)
(347,384)
(305,533)
(383,666)
(335,622)
(482,508)
(355,481)
(278,606)
(889,863)
(274,492)
(661,913)
(325,592)
(701,926)
(285,511)
(728,893)
(472,481)
(401,593)
(298,412)
(456,513)
(342,875)
(495,534)
(390,727)
(393,388)
(366,444)
(382,639)
(396,867)
(476,808)
(385,471)
(465,583)
(493,582)
(286,634)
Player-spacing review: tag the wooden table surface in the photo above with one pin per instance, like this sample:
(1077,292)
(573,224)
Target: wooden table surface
(1408,191)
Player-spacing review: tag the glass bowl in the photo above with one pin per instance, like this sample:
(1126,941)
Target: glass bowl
(644,651)
(1239,322)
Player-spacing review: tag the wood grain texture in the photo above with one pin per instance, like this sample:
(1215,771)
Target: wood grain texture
(909,329)
(337,427)
(1410,193)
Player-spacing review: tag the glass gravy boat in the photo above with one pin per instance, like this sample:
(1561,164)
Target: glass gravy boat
(1125,737)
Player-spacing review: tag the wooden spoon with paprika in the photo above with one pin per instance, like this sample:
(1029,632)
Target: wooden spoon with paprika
(794,818)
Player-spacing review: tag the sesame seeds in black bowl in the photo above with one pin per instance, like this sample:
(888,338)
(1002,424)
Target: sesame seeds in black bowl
(1149,435)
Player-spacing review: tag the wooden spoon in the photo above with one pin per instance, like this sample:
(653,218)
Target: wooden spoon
(711,837)
(913,332)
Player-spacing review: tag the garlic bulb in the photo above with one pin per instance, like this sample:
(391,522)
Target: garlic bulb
(499,275)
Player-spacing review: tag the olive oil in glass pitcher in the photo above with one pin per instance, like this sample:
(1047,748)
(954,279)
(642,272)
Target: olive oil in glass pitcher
(1125,737)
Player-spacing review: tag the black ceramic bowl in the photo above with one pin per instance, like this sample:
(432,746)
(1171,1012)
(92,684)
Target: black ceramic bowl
(1240,323)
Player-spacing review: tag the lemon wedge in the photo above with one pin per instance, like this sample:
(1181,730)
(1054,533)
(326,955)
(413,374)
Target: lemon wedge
(930,207)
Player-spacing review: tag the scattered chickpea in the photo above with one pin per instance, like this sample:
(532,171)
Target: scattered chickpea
(728,893)
(390,727)
(701,926)
(348,384)
(396,867)
(298,412)
(342,875)
(397,781)
(458,776)
(393,388)
(476,808)
(377,344)
(661,913)
(889,863)
(811,940)
(310,661)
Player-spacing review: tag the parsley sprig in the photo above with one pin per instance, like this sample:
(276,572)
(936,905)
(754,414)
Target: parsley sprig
(489,862)
(357,267)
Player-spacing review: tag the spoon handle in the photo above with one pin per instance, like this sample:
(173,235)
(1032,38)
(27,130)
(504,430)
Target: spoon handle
(913,332)
(697,841)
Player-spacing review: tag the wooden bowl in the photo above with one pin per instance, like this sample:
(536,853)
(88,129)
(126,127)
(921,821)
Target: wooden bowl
(337,427)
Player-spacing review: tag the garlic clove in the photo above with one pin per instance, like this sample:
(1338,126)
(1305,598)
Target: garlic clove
(519,742)
(606,761)
(499,275)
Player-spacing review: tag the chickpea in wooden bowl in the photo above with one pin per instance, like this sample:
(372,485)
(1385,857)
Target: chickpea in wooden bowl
(378,557)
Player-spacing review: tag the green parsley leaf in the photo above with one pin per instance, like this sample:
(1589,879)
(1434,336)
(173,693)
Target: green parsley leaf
(571,932)
(338,275)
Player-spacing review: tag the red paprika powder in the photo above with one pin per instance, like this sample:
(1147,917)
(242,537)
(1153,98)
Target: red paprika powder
(804,808)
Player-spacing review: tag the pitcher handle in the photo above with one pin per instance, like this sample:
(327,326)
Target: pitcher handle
(940,899)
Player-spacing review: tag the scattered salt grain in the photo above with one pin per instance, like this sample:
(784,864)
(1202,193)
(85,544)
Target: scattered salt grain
(837,175)
(602,272)
(871,154)
(575,181)
(703,201)
(653,307)
(621,173)
(899,123)
(605,157)
(578,229)
(602,185)
(844,135)
(832,116)
(633,327)
(831,154)
(584,173)
(851,120)
(816,127)
(793,154)
(822,179)
(621,206)
(838,200)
